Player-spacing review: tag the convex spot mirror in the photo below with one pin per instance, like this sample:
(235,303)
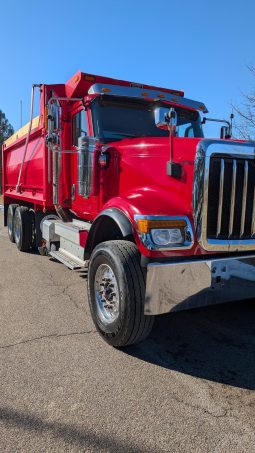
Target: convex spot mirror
(225,132)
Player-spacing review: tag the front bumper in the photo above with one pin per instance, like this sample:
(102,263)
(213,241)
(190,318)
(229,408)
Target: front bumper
(178,286)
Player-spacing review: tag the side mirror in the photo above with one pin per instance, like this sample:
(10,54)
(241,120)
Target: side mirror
(225,132)
(54,124)
(165,118)
(54,114)
(160,114)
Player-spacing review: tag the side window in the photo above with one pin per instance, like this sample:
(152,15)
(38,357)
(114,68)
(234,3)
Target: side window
(79,126)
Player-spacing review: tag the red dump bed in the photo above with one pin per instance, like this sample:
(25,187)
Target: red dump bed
(33,180)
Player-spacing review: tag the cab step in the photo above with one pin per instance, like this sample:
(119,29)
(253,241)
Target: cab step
(68,260)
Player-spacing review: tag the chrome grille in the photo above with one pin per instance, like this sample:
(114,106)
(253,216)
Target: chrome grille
(231,198)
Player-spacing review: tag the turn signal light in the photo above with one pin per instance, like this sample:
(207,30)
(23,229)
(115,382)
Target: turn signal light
(145,225)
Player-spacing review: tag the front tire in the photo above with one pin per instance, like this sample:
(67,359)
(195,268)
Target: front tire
(23,228)
(116,290)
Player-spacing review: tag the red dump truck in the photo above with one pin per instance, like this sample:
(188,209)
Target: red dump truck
(117,177)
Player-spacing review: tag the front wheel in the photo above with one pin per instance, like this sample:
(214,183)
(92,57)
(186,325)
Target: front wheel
(116,290)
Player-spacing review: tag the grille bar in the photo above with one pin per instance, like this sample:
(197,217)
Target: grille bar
(253,215)
(245,183)
(233,196)
(222,168)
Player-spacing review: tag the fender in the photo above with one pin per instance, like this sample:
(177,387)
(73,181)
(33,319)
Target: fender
(99,233)
(120,218)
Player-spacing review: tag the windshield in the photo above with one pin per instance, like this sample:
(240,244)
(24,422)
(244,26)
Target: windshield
(118,118)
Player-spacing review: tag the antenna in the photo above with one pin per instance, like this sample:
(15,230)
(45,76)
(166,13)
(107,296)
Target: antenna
(231,121)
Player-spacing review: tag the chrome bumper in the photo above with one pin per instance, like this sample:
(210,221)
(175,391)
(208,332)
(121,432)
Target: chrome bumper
(179,286)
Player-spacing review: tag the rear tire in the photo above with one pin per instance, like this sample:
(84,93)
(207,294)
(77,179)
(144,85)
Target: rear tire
(23,228)
(116,290)
(10,218)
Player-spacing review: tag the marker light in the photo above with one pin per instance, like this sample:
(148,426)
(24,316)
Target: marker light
(106,90)
(89,78)
(175,100)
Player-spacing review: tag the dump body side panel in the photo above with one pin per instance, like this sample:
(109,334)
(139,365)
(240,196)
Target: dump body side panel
(35,187)
(33,181)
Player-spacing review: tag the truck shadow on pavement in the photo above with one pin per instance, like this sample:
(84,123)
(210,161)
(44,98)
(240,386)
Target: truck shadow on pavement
(77,437)
(216,343)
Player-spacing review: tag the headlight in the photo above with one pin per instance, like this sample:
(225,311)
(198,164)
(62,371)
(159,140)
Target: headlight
(164,232)
(167,237)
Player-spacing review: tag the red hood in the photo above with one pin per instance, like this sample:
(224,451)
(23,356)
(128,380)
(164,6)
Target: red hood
(144,186)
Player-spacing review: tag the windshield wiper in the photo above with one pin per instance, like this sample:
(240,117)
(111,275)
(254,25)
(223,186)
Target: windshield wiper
(123,135)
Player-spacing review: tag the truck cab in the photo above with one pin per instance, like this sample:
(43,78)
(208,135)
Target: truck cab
(117,177)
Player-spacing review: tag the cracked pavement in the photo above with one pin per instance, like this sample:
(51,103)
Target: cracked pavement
(188,388)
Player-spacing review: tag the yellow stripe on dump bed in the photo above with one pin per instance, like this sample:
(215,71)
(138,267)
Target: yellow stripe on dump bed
(22,131)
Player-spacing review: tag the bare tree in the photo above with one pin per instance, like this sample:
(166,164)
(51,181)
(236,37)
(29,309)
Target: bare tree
(244,125)
(6,130)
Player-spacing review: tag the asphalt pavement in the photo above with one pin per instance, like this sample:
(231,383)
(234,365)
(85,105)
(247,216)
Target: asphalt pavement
(188,388)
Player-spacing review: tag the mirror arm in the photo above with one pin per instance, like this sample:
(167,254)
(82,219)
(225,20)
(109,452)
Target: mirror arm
(216,120)
(220,121)
(168,120)
(172,168)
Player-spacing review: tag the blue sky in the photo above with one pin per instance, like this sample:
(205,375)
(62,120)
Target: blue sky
(203,47)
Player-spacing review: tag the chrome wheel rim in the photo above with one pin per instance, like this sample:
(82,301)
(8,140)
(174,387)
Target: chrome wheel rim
(106,294)
(10,224)
(17,229)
